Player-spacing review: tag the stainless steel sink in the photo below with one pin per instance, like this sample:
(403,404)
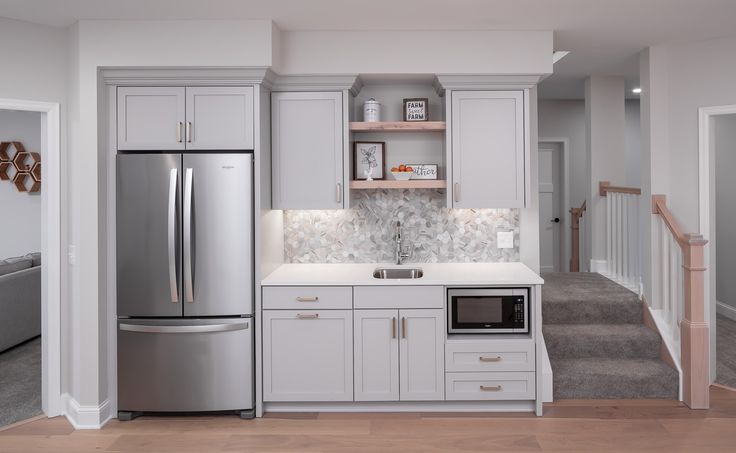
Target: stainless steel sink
(397,273)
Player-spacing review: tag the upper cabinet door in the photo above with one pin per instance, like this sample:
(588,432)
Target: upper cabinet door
(307,143)
(151,118)
(219,118)
(488,168)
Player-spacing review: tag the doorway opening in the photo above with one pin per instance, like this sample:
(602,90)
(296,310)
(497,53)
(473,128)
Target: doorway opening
(35,275)
(554,205)
(717,162)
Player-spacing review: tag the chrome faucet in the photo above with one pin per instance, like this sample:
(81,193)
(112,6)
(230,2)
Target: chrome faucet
(399,255)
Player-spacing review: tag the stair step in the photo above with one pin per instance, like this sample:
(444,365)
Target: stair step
(607,341)
(587,298)
(614,379)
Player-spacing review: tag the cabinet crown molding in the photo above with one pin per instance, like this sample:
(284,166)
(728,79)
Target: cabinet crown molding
(178,76)
(486,82)
(313,82)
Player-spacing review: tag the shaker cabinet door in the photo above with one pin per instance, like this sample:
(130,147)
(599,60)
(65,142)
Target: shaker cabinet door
(307,150)
(151,118)
(308,355)
(488,151)
(422,372)
(219,118)
(376,355)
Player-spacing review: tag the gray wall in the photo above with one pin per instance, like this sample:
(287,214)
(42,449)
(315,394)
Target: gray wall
(633,143)
(20,229)
(725,152)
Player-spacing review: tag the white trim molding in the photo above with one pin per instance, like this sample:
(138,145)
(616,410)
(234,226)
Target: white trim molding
(599,266)
(726,310)
(706,192)
(86,417)
(50,250)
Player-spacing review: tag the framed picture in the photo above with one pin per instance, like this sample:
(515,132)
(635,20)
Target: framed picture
(369,160)
(423,171)
(416,109)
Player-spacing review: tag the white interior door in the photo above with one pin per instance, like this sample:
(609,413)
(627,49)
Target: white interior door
(550,208)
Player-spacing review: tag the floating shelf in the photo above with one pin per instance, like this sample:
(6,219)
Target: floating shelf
(399,126)
(393,184)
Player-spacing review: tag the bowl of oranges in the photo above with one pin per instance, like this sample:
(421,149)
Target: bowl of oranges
(402,172)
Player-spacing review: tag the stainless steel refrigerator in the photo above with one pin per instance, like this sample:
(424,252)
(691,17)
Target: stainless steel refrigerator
(185,283)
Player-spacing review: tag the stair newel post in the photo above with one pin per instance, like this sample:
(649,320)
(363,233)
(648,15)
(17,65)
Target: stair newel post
(694,335)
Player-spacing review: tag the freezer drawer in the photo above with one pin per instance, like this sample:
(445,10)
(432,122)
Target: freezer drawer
(185,365)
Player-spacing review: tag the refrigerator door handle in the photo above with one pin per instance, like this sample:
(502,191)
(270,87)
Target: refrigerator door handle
(173,283)
(188,284)
(185,329)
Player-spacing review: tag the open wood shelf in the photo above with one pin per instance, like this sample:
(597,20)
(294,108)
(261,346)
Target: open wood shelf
(393,184)
(400,126)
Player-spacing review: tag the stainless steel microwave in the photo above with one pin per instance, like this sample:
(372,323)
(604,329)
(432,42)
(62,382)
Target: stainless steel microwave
(487,310)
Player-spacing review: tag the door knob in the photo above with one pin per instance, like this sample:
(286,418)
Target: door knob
(555,220)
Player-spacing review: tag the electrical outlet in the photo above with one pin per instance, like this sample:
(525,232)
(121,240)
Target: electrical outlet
(505,239)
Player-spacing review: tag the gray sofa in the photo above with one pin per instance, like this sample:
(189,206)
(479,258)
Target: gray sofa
(20,299)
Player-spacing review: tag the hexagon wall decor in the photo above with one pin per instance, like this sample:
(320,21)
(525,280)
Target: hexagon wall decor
(20,166)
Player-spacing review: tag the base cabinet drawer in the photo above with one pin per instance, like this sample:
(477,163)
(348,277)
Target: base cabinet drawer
(490,386)
(511,355)
(308,298)
(308,355)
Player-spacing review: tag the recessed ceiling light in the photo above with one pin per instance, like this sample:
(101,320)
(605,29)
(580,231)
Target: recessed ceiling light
(558,55)
(636,90)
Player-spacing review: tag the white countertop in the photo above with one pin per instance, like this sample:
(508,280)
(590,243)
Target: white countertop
(445,274)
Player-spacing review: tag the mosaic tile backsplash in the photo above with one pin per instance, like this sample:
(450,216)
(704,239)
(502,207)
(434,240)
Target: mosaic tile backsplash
(365,234)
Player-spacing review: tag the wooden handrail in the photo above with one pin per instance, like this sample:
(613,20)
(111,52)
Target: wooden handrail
(576,214)
(605,186)
(694,336)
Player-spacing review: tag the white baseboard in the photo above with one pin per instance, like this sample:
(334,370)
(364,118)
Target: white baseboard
(86,417)
(599,266)
(726,310)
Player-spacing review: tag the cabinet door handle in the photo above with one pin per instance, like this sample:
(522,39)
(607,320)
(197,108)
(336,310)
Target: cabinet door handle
(338,192)
(305,316)
(307,299)
(178,131)
(489,359)
(491,388)
(403,327)
(393,327)
(456,192)
(189,132)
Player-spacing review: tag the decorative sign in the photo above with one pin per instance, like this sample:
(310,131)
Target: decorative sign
(369,158)
(416,109)
(424,171)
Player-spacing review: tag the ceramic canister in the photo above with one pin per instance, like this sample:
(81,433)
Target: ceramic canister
(371,111)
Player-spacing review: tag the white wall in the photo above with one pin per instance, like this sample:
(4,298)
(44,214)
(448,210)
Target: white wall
(20,230)
(725,204)
(633,143)
(606,142)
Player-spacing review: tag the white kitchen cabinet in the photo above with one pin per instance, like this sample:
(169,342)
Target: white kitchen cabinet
(151,118)
(488,149)
(219,118)
(191,118)
(307,150)
(376,355)
(307,355)
(421,354)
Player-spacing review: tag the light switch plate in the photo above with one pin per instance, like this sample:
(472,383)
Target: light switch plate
(505,239)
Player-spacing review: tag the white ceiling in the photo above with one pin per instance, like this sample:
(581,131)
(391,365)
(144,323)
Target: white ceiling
(603,35)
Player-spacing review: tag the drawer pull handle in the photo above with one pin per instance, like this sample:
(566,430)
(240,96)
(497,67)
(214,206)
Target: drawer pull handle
(491,388)
(304,316)
(489,359)
(307,299)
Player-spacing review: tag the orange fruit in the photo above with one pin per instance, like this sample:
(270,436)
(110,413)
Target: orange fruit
(394,169)
(402,167)
(409,169)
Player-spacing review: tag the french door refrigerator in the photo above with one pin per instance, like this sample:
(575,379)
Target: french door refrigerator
(185,283)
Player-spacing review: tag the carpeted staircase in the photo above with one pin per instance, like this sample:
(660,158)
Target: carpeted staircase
(598,346)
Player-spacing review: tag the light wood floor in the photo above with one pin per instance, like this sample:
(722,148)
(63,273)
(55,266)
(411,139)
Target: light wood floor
(589,426)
